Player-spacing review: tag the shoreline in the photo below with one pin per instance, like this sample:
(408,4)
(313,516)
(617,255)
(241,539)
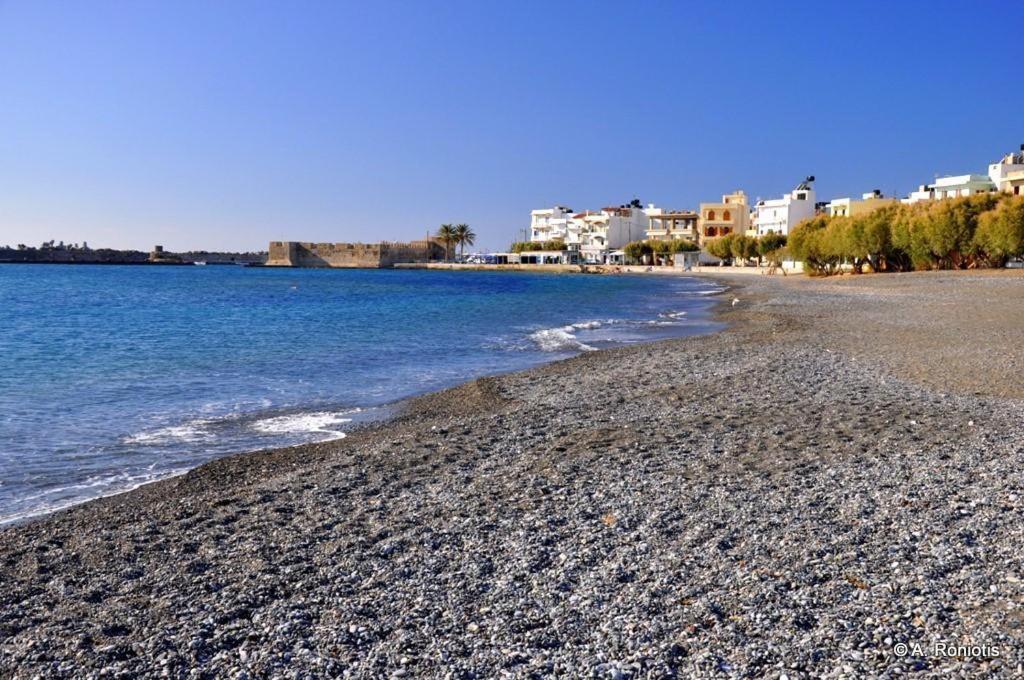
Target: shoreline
(704,318)
(516,505)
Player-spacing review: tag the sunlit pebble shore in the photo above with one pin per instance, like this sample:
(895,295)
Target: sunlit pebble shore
(766,501)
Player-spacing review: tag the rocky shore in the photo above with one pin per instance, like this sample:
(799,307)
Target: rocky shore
(838,473)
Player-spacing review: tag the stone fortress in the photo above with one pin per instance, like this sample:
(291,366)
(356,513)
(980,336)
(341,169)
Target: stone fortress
(353,255)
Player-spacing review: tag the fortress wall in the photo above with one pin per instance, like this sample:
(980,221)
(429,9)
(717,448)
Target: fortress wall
(351,255)
(280,253)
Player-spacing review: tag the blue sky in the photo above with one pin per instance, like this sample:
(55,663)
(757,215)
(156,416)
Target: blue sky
(224,125)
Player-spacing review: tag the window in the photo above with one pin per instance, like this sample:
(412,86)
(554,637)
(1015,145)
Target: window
(711,214)
(1016,190)
(726,216)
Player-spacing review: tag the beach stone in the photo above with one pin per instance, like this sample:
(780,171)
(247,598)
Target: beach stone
(790,497)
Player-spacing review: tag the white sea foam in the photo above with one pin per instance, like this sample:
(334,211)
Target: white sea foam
(559,340)
(106,486)
(319,422)
(191,431)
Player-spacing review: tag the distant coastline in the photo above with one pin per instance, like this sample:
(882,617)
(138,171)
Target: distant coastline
(50,253)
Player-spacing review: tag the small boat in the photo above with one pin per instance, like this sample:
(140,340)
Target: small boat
(199,263)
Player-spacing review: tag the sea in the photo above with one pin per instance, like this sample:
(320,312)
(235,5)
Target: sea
(115,376)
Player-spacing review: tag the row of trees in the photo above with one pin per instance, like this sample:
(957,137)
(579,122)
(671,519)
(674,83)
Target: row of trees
(533,246)
(460,235)
(657,251)
(985,230)
(741,247)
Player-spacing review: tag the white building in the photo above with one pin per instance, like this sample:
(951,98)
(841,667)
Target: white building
(782,214)
(953,186)
(1008,174)
(593,233)
(610,229)
(551,224)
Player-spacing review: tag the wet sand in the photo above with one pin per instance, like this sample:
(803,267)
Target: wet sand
(836,473)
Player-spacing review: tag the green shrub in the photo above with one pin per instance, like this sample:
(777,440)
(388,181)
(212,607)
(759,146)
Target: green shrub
(720,247)
(810,243)
(682,245)
(635,251)
(770,243)
(1000,232)
(533,246)
(659,248)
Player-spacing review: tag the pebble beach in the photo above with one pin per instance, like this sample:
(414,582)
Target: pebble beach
(837,473)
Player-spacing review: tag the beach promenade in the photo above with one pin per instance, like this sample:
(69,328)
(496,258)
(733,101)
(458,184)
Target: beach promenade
(837,473)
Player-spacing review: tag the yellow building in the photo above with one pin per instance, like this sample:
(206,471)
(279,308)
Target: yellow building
(731,216)
(849,207)
(672,224)
(1013,183)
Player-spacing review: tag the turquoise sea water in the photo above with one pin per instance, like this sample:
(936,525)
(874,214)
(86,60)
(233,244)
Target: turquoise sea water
(112,376)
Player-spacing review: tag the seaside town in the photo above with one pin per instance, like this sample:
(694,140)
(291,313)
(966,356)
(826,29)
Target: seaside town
(635,237)
(472,340)
(734,230)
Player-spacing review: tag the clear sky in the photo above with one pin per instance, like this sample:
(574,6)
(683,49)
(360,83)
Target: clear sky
(223,125)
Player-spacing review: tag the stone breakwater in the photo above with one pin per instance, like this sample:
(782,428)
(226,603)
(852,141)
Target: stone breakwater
(836,475)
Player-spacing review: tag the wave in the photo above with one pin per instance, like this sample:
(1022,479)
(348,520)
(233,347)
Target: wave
(234,432)
(191,431)
(242,425)
(318,422)
(567,338)
(560,339)
(89,490)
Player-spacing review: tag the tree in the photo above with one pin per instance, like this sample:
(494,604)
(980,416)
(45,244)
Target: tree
(464,236)
(769,247)
(742,247)
(660,250)
(870,240)
(1000,232)
(720,247)
(636,250)
(447,236)
(809,244)
(682,245)
(940,234)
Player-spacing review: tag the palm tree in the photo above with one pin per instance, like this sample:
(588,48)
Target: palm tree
(464,236)
(447,235)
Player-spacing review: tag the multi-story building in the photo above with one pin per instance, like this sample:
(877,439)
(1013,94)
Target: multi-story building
(551,224)
(669,225)
(849,207)
(610,229)
(1008,174)
(782,214)
(731,216)
(953,186)
(593,233)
